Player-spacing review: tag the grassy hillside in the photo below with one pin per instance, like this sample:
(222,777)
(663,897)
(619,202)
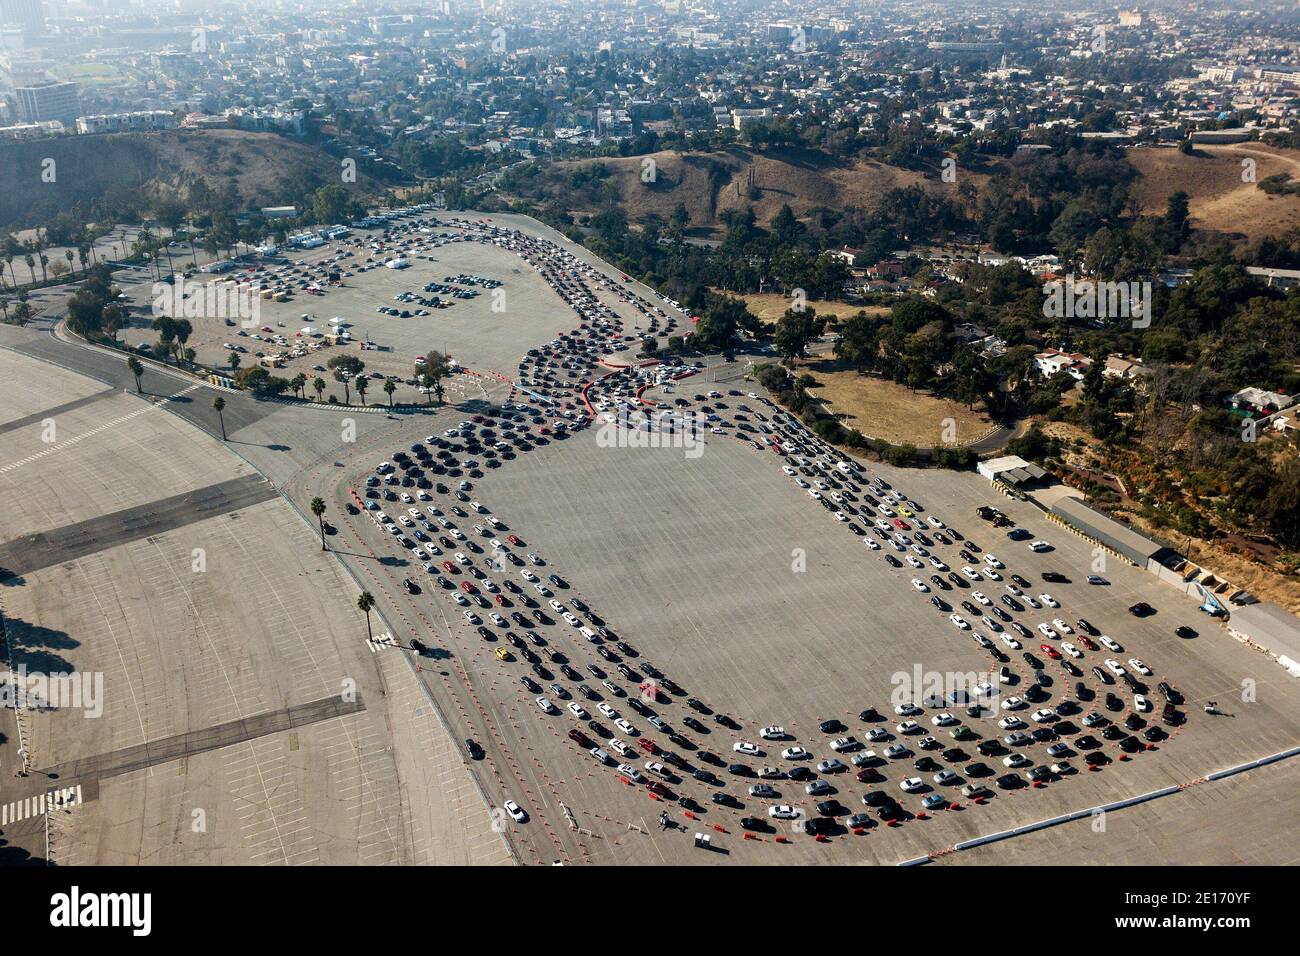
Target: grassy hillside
(266,169)
(709,184)
(1219,201)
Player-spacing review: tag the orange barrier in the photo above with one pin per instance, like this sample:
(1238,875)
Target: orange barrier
(782,839)
(720,828)
(821,838)
(750,836)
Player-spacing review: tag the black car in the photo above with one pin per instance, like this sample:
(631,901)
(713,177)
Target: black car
(706,776)
(1141,609)
(832,726)
(754,823)
(1009,781)
(695,725)
(473,749)
(988,748)
(1020,581)
(1095,759)
(801,773)
(1055,577)
(870,714)
(724,799)
(817,827)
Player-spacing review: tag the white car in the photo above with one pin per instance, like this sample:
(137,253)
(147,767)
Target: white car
(783,811)
(516,812)
(1013,703)
(795,753)
(981,597)
(1032,601)
(1015,590)
(607,710)
(460,599)
(461,558)
(788,470)
(1039,546)
(907,709)
(1016,760)
(622,724)
(631,773)
(970,574)
(959,621)
(618,746)
(471,617)
(772,733)
(1110,644)
(841,744)
(1062,626)
(576,710)
(945,777)
(1010,641)
(920,585)
(546,706)
(1011,723)
(871,543)
(1046,630)
(1115,667)
(912,784)
(934,522)
(1049,600)
(658,769)
(497,619)
(993,562)
(1141,704)
(1044,716)
(944,719)
(907,727)
(528,575)
(745,747)
(1071,649)
(1140,667)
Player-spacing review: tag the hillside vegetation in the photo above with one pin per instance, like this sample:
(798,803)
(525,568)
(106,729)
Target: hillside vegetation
(709,184)
(112,170)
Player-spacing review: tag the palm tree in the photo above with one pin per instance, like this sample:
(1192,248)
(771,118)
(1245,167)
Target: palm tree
(137,369)
(318,384)
(361,387)
(299,384)
(340,376)
(69,255)
(234,360)
(318,509)
(31,266)
(83,253)
(219,404)
(366,601)
(389,387)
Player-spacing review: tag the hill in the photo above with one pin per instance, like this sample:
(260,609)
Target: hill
(709,184)
(265,169)
(1219,200)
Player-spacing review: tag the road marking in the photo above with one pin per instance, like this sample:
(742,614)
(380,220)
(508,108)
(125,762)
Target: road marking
(29,807)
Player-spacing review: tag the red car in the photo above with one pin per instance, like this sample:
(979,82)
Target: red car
(449,567)
(467,587)
(902,525)
(501,600)
(1050,651)
(1087,642)
(513,539)
(648,745)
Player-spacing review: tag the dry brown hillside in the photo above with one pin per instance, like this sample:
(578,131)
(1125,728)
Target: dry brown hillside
(263,166)
(1212,178)
(709,184)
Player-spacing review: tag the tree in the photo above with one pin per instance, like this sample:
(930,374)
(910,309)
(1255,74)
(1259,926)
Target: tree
(299,384)
(318,509)
(234,360)
(345,368)
(136,368)
(366,602)
(362,384)
(435,367)
(795,331)
(859,343)
(318,384)
(219,404)
(389,387)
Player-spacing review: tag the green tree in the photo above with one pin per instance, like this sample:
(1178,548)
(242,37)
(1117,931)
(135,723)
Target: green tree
(318,509)
(136,367)
(366,603)
(219,404)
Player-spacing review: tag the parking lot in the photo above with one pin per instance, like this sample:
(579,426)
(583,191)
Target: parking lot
(608,618)
(753,598)
(485,329)
(241,717)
